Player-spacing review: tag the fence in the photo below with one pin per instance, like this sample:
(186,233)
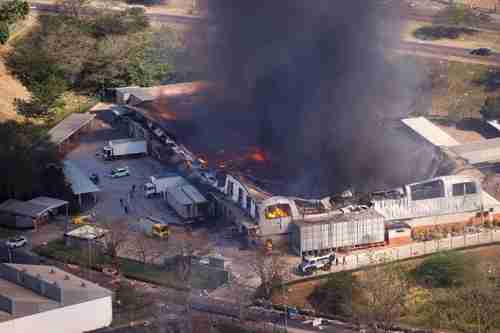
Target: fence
(374,256)
(422,248)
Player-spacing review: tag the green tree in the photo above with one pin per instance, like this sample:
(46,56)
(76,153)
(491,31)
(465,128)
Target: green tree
(30,165)
(491,108)
(14,10)
(4,32)
(445,269)
(471,308)
(335,295)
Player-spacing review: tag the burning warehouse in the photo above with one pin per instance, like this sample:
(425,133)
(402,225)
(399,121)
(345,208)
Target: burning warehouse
(244,196)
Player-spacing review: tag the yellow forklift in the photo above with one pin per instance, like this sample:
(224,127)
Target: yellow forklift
(160,230)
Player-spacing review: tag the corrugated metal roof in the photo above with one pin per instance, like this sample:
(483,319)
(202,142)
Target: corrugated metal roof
(430,132)
(80,183)
(479,152)
(50,203)
(69,126)
(22,208)
(193,193)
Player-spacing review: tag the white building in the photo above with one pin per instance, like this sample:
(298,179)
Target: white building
(45,299)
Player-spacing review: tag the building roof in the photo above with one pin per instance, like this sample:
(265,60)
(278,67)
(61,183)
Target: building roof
(50,203)
(87,232)
(336,217)
(120,141)
(480,151)
(179,195)
(30,289)
(80,183)
(430,132)
(193,194)
(69,126)
(23,208)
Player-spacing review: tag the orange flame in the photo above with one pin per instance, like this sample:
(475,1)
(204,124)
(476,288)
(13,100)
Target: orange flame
(275,212)
(258,156)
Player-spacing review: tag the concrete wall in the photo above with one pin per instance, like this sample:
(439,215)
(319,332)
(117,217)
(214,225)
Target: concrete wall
(77,318)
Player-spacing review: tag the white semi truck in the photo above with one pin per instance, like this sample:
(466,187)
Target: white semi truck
(159,184)
(124,147)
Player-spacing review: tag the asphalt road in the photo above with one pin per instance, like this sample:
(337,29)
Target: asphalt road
(447,51)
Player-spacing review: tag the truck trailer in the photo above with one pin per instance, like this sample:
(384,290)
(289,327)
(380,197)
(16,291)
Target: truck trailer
(187,202)
(124,147)
(159,184)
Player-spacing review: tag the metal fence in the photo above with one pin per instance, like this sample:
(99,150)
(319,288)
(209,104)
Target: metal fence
(412,250)
(416,249)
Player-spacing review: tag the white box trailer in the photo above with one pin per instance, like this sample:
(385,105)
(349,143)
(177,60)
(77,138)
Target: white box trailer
(125,147)
(187,202)
(159,184)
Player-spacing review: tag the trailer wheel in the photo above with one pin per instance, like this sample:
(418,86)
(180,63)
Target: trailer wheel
(327,267)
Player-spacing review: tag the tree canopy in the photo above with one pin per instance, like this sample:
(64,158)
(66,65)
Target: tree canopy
(491,108)
(30,165)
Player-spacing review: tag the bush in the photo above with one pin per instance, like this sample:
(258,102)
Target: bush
(335,295)
(440,32)
(4,32)
(444,270)
(14,10)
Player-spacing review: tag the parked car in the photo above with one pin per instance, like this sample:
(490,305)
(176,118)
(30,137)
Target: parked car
(16,242)
(94,178)
(119,172)
(482,51)
(311,264)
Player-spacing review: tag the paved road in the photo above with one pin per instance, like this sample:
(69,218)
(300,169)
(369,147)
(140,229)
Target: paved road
(448,51)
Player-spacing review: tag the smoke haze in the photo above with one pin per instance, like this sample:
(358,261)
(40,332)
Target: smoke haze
(315,87)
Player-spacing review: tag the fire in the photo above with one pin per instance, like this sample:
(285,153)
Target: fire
(258,155)
(275,212)
(202,160)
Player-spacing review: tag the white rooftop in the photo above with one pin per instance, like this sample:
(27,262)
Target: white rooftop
(87,232)
(480,151)
(430,132)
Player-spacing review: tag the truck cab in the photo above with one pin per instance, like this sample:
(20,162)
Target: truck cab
(160,230)
(149,189)
(107,152)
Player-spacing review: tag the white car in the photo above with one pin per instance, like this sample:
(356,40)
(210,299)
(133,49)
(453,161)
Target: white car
(119,172)
(16,242)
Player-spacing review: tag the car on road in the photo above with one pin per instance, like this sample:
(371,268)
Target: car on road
(120,172)
(15,242)
(482,51)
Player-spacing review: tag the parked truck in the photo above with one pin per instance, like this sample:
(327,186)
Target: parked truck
(187,202)
(159,184)
(124,147)
(154,227)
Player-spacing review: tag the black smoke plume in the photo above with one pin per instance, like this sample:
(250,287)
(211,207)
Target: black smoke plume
(318,88)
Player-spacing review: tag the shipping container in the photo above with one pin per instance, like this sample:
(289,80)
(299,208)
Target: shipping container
(339,231)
